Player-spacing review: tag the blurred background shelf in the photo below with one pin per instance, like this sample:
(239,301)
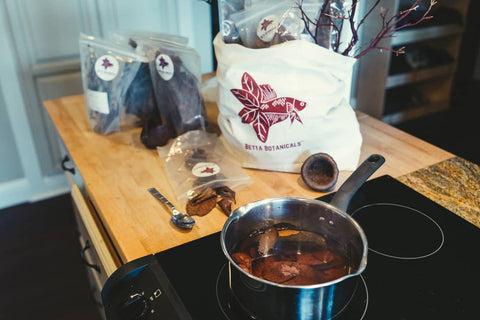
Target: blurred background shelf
(430,63)
(420,75)
(423,34)
(414,113)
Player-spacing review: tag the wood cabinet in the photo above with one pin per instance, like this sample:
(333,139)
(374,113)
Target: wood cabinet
(118,170)
(397,95)
(97,253)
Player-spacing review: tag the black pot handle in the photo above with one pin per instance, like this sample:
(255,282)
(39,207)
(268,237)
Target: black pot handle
(347,190)
(65,160)
(84,259)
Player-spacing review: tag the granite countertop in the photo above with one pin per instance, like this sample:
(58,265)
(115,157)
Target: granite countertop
(453,183)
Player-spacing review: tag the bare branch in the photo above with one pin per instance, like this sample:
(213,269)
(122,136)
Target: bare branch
(325,25)
(389,26)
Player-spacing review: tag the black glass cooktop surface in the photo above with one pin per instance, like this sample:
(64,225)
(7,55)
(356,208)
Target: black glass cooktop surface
(422,263)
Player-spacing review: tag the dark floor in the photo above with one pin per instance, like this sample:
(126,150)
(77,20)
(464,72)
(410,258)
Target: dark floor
(41,274)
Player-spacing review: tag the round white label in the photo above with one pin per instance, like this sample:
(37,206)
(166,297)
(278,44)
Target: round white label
(106,67)
(164,66)
(267,27)
(205,169)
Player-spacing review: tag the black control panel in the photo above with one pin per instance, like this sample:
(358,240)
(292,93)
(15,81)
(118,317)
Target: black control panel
(140,290)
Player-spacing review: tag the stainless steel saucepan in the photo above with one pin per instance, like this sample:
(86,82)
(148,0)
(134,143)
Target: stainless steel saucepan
(276,246)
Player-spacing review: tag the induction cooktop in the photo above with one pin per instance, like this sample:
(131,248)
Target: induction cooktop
(422,264)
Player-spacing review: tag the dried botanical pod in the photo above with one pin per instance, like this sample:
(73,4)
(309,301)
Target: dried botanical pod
(320,172)
(201,208)
(225,205)
(203,202)
(267,241)
(152,137)
(243,260)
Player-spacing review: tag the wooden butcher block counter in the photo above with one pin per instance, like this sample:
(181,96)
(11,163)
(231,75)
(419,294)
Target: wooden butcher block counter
(117,170)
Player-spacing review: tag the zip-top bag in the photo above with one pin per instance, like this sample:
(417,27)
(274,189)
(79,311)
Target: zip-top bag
(175,70)
(107,73)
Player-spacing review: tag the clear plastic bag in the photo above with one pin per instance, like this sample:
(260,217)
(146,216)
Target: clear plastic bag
(140,98)
(197,160)
(263,23)
(130,37)
(258,24)
(175,70)
(107,72)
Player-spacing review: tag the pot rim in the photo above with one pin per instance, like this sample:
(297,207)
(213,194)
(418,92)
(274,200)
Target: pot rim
(241,211)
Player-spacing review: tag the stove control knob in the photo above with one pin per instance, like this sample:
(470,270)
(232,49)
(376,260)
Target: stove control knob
(136,307)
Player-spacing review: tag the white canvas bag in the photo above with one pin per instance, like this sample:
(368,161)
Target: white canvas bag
(279,105)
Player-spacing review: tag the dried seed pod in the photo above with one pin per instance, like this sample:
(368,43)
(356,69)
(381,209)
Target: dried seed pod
(320,172)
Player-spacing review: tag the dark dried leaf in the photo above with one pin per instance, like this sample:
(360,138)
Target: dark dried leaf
(226,193)
(204,195)
(226,206)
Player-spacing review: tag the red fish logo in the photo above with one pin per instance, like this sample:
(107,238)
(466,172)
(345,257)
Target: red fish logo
(208,170)
(163,63)
(265,23)
(106,63)
(262,107)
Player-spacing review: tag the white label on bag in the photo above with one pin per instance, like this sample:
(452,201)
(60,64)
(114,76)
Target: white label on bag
(98,101)
(267,27)
(205,169)
(164,66)
(106,67)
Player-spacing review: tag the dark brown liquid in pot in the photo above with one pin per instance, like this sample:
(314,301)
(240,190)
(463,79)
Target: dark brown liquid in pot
(290,257)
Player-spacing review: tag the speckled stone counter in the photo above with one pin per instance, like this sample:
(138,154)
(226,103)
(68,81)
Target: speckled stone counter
(453,183)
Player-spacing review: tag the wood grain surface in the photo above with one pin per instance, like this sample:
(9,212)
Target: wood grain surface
(118,170)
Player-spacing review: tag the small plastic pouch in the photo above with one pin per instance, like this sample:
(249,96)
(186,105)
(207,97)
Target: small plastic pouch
(140,97)
(107,73)
(198,160)
(263,23)
(175,70)
(130,37)
(258,25)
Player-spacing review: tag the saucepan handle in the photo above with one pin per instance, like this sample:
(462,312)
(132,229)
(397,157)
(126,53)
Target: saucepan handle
(348,189)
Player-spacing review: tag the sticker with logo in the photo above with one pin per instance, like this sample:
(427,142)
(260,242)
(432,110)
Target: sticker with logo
(267,27)
(205,169)
(262,108)
(164,66)
(107,67)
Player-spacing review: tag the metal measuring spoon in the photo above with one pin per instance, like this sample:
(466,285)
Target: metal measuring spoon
(179,219)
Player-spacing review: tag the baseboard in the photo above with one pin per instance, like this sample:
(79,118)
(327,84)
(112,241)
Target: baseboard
(20,191)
